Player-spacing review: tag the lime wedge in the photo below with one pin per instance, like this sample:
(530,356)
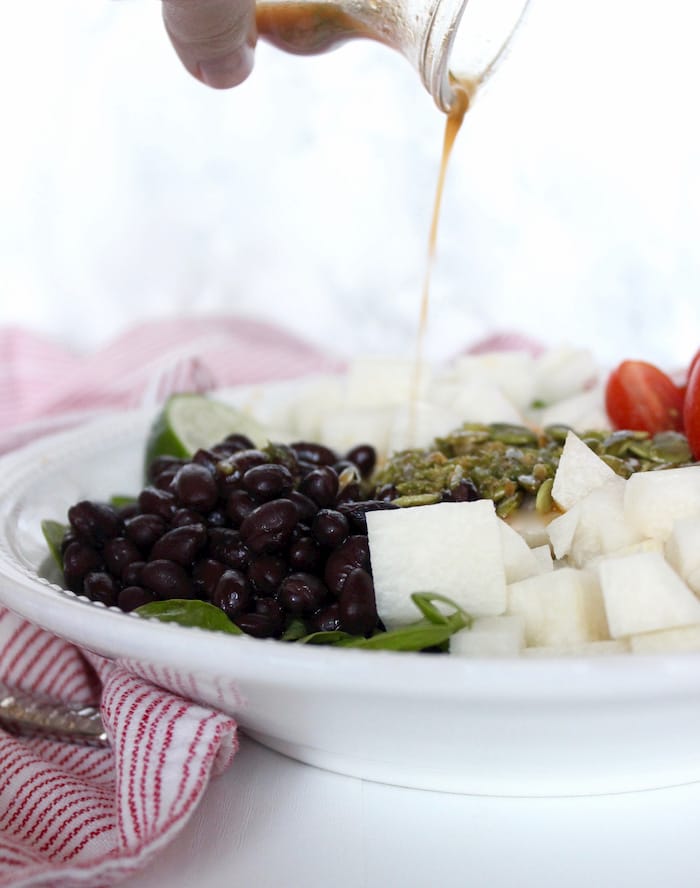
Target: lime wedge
(188,422)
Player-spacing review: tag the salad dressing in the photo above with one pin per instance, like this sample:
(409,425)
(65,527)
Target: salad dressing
(464,90)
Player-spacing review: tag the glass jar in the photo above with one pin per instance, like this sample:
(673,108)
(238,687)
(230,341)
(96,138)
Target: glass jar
(442,39)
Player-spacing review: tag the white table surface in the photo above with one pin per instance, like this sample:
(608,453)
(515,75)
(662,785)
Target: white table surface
(271,822)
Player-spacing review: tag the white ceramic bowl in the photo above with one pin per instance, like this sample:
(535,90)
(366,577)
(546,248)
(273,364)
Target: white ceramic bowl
(497,727)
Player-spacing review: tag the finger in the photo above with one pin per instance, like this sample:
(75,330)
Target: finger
(215,39)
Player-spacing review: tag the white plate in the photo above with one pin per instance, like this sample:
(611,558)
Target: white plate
(505,727)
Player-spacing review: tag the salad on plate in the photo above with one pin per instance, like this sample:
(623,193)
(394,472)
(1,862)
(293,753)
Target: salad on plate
(509,505)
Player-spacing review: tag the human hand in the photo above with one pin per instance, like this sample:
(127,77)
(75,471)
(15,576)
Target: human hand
(215,39)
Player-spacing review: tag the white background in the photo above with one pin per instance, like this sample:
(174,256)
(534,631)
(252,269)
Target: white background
(128,190)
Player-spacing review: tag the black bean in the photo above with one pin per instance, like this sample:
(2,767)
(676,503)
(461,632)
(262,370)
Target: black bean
(100,586)
(269,527)
(327,619)
(305,467)
(217,518)
(240,462)
(232,593)
(119,553)
(144,530)
(240,442)
(195,488)
(306,507)
(180,545)
(349,494)
(162,464)
(128,510)
(239,504)
(68,538)
(364,456)
(94,523)
(272,610)
(257,625)
(206,458)
(164,480)
(78,561)
(131,575)
(330,528)
(153,501)
(387,493)
(304,554)
(356,513)
(266,573)
(223,450)
(316,454)
(268,482)
(183,517)
(358,607)
(226,545)
(464,492)
(353,553)
(132,597)
(166,579)
(302,593)
(320,485)
(206,574)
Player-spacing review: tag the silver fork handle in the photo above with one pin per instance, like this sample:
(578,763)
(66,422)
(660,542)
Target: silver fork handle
(25,715)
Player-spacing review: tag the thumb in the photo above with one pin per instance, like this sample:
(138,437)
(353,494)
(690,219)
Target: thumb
(214,39)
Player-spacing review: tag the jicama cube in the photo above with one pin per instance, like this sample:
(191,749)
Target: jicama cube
(450,548)
(343,427)
(654,501)
(682,548)
(490,637)
(667,641)
(643,593)
(562,530)
(543,554)
(579,472)
(376,381)
(510,371)
(307,408)
(603,648)
(562,372)
(419,423)
(483,401)
(519,559)
(693,581)
(601,527)
(581,411)
(562,607)
(531,525)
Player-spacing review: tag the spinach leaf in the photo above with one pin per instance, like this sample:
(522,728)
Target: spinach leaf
(295,631)
(121,499)
(434,630)
(54,532)
(330,637)
(189,612)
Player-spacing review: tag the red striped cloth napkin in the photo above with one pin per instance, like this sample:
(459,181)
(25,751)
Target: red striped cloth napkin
(75,816)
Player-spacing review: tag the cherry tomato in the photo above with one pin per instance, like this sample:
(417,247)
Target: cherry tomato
(684,386)
(691,408)
(640,397)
